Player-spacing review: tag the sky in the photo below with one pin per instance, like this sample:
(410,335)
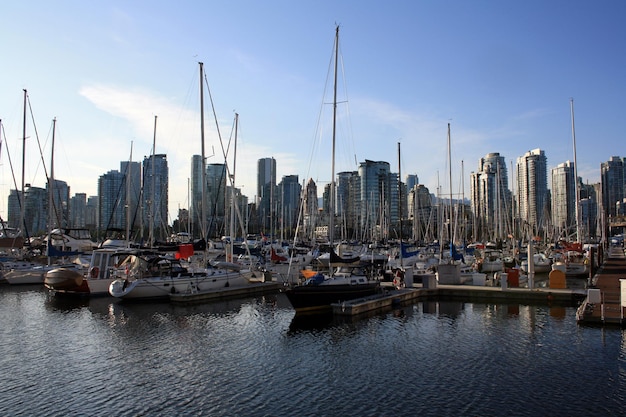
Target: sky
(503,74)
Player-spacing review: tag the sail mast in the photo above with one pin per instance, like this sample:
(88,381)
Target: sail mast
(577,194)
(450,178)
(51,191)
(232,195)
(22,202)
(203,176)
(400,201)
(153,185)
(128,199)
(331,222)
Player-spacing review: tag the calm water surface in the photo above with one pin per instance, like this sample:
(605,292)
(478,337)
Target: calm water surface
(252,357)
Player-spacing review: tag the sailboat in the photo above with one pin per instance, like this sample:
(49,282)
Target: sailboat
(18,273)
(102,268)
(318,292)
(152,275)
(571,259)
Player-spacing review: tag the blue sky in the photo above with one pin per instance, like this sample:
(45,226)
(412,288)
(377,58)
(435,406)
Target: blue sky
(500,72)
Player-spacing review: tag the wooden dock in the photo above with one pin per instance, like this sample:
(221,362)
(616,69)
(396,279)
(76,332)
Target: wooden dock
(468,293)
(226,293)
(603,305)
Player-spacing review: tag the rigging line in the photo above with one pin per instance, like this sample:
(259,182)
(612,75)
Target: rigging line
(32,116)
(6,144)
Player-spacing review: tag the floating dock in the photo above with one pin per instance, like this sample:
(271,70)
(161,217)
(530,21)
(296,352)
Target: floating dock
(604,304)
(469,293)
(249,290)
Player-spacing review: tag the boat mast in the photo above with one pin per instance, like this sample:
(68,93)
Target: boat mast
(331,224)
(400,201)
(51,191)
(232,196)
(577,194)
(22,202)
(450,178)
(203,176)
(128,177)
(152,199)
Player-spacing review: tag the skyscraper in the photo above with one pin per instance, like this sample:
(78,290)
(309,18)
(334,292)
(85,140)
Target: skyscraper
(375,198)
(290,192)
(532,185)
(216,198)
(78,210)
(310,209)
(612,179)
(195,205)
(111,213)
(155,196)
(564,198)
(266,184)
(491,197)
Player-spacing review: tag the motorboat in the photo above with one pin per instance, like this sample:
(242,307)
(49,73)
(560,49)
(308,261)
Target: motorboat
(491,261)
(541,263)
(572,263)
(95,280)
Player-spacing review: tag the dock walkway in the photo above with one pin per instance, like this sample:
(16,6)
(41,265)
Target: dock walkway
(603,303)
(468,293)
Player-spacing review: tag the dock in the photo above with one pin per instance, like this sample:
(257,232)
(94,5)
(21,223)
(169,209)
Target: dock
(249,290)
(603,304)
(469,293)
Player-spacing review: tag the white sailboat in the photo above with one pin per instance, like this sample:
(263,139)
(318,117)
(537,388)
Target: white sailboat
(156,276)
(572,260)
(20,273)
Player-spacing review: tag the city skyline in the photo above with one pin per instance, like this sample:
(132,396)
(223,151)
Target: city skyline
(535,194)
(502,75)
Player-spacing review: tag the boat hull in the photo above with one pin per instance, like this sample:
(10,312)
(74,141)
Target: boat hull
(572,270)
(63,279)
(155,288)
(25,277)
(313,298)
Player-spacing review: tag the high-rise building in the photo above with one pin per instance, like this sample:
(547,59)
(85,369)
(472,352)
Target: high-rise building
(347,205)
(155,195)
(78,210)
(111,210)
(195,205)
(266,193)
(290,191)
(491,197)
(216,176)
(310,209)
(375,204)
(563,193)
(589,221)
(14,210)
(91,213)
(532,186)
(612,180)
(35,220)
(60,204)
(420,211)
(411,181)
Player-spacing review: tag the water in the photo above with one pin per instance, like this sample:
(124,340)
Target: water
(252,357)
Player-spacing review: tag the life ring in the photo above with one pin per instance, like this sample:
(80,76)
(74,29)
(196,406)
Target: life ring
(95,271)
